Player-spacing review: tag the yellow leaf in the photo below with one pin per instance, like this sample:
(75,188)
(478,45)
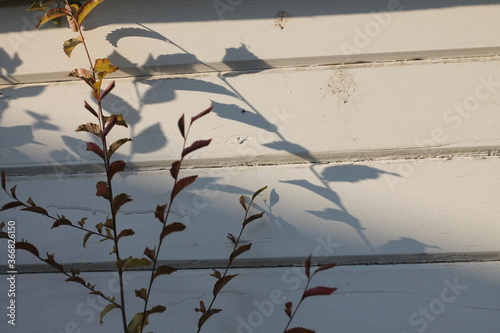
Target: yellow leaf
(70,44)
(86,8)
(103,67)
(52,14)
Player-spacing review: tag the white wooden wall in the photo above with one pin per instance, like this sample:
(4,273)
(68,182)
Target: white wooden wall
(375,124)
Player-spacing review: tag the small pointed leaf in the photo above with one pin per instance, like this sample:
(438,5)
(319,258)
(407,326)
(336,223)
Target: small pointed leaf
(85,9)
(201,114)
(108,308)
(141,293)
(115,145)
(181,184)
(61,221)
(195,146)
(207,314)
(11,205)
(181,126)
(125,233)
(86,238)
(243,203)
(76,279)
(151,254)
(318,291)
(13,191)
(222,282)
(259,191)
(172,227)
(91,109)
(90,128)
(163,270)
(24,245)
(36,209)
(240,250)
(252,218)
(116,166)
(160,212)
(174,170)
(120,200)
(288,309)
(307,266)
(4,184)
(102,190)
(299,330)
(325,267)
(52,14)
(108,89)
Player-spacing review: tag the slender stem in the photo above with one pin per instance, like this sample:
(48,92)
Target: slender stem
(298,305)
(229,262)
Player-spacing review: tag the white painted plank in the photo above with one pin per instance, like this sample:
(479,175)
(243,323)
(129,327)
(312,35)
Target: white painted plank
(184,34)
(340,113)
(379,299)
(433,206)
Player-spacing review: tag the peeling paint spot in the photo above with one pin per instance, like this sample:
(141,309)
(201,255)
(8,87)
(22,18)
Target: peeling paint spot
(342,84)
(281,18)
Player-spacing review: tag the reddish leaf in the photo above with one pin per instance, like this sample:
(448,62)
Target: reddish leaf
(24,245)
(259,191)
(173,227)
(115,145)
(318,291)
(252,218)
(36,209)
(108,89)
(222,282)
(91,109)
(102,190)
(120,200)
(13,191)
(163,270)
(50,260)
(243,203)
(95,148)
(174,170)
(109,125)
(288,309)
(307,266)
(325,267)
(240,250)
(76,279)
(195,146)
(151,254)
(4,184)
(201,114)
(61,221)
(10,205)
(181,126)
(299,330)
(31,202)
(116,166)
(181,184)
(160,212)
(202,308)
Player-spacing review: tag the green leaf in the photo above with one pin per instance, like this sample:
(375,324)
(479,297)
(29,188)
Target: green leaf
(181,184)
(11,205)
(115,145)
(108,308)
(222,282)
(86,238)
(259,191)
(52,14)
(120,200)
(131,262)
(252,218)
(172,227)
(240,250)
(85,9)
(125,233)
(163,270)
(70,45)
(141,293)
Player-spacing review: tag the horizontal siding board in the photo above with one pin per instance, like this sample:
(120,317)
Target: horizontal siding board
(342,112)
(369,299)
(193,33)
(433,206)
